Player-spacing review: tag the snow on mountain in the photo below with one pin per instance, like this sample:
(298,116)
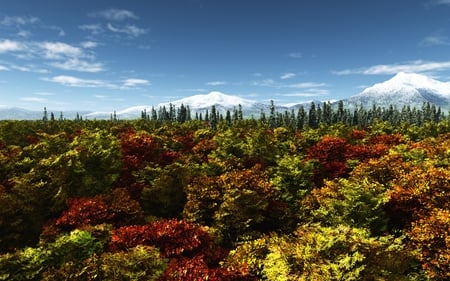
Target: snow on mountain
(127,113)
(222,102)
(15,113)
(196,103)
(404,89)
(213,98)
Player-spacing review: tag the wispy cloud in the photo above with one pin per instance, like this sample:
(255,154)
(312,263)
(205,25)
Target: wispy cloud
(56,54)
(21,23)
(308,93)
(79,65)
(130,30)
(442,2)
(389,69)
(435,40)
(89,44)
(216,83)
(296,55)
(134,82)
(44,94)
(115,14)
(3,68)
(305,85)
(60,31)
(72,81)
(59,50)
(78,82)
(34,99)
(287,75)
(18,21)
(94,29)
(264,83)
(28,68)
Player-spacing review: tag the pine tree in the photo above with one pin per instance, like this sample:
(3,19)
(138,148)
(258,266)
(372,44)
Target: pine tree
(240,113)
(272,118)
(45,117)
(213,118)
(312,117)
(301,116)
(228,117)
(154,114)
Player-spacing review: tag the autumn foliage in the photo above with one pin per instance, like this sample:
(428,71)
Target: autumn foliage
(233,200)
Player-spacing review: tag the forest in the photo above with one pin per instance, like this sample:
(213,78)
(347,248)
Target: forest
(319,194)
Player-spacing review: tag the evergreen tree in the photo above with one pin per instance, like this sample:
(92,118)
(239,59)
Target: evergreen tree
(228,117)
(213,118)
(312,117)
(272,121)
(154,114)
(240,113)
(45,117)
(188,113)
(301,118)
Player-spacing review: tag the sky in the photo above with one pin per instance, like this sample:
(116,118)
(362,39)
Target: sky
(106,55)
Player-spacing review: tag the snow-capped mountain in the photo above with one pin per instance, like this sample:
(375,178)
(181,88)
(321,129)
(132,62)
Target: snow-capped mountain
(127,113)
(196,103)
(221,101)
(404,89)
(200,102)
(16,113)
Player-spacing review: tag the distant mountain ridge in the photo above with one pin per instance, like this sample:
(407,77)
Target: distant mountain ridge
(403,89)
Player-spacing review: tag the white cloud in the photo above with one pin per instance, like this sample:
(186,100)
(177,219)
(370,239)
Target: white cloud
(58,50)
(44,94)
(93,28)
(308,93)
(79,65)
(28,68)
(296,55)
(443,2)
(216,83)
(389,69)
(10,46)
(17,21)
(34,99)
(78,82)
(264,83)
(306,85)
(287,75)
(130,30)
(3,68)
(60,31)
(89,44)
(435,40)
(134,82)
(24,33)
(115,14)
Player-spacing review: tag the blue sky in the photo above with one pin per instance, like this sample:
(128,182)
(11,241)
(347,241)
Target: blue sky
(110,55)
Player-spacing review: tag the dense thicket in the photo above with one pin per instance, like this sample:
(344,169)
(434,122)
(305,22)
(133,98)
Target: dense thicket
(360,195)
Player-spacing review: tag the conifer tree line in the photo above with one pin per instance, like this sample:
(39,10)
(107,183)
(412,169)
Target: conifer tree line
(304,117)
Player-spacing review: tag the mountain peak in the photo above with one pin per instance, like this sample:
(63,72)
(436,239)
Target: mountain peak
(405,89)
(210,99)
(410,83)
(414,79)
